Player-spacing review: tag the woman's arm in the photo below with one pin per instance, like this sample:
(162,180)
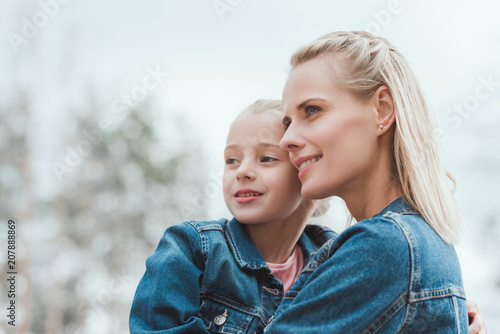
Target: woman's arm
(168,296)
(362,284)
(379,276)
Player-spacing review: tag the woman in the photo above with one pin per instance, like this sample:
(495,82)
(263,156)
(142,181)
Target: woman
(358,127)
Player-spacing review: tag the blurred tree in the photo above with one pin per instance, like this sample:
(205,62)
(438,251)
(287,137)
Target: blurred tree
(80,246)
(17,195)
(112,210)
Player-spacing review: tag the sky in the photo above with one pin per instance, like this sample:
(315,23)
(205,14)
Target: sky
(214,58)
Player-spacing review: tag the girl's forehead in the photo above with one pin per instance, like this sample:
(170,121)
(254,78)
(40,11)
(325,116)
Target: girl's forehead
(255,129)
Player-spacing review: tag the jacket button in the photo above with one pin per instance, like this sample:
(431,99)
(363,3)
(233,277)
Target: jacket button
(221,319)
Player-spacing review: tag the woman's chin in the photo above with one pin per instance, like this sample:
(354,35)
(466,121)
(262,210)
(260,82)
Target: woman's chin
(312,192)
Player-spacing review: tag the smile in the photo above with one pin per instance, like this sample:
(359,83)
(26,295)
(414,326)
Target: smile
(308,162)
(248,194)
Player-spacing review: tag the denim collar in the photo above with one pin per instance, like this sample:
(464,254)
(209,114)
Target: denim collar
(245,252)
(399,205)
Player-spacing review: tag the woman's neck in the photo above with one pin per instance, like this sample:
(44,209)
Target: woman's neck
(370,206)
(374,190)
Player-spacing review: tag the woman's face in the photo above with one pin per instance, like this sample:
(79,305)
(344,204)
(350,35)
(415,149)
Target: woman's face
(331,136)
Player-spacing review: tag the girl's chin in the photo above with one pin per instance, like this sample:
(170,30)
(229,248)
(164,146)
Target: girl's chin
(248,220)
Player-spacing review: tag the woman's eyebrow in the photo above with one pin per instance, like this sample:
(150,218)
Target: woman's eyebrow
(306,102)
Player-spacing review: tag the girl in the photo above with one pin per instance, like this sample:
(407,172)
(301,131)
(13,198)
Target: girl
(358,127)
(230,276)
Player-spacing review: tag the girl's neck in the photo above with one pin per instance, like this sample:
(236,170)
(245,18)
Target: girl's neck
(276,240)
(275,243)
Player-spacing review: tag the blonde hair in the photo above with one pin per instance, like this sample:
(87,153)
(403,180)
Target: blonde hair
(321,206)
(368,62)
(263,105)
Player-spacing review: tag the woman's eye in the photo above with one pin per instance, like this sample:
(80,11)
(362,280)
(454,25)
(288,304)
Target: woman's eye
(310,110)
(231,161)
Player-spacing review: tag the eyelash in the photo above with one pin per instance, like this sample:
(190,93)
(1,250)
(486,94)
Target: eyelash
(270,159)
(264,159)
(307,110)
(286,123)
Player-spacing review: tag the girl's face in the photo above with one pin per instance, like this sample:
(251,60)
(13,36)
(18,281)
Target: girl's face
(260,184)
(331,136)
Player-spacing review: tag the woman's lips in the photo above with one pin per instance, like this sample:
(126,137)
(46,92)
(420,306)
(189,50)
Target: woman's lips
(304,164)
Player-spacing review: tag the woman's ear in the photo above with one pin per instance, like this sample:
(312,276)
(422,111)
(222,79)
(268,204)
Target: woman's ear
(384,108)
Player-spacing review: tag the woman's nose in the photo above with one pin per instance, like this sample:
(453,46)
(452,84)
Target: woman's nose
(291,140)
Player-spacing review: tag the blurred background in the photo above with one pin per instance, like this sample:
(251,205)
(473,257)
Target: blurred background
(113,117)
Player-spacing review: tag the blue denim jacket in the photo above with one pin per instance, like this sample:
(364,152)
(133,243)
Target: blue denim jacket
(208,277)
(388,274)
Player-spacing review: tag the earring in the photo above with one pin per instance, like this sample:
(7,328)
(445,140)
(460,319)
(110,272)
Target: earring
(381,126)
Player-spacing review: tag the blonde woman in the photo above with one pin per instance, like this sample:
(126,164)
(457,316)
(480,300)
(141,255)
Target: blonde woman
(358,127)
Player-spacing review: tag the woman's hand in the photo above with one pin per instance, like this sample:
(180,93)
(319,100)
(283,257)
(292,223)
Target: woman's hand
(477,325)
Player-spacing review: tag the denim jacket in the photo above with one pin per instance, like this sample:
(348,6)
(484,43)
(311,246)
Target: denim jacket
(208,277)
(388,274)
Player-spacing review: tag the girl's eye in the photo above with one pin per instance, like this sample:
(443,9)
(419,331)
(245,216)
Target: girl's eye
(311,110)
(268,159)
(286,122)
(231,161)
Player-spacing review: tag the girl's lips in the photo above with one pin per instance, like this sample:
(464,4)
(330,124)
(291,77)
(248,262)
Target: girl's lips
(246,199)
(246,195)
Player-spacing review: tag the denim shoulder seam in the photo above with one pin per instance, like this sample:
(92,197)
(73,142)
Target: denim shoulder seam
(204,241)
(231,241)
(452,291)
(412,248)
(396,218)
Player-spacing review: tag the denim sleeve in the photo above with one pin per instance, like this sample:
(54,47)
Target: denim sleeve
(168,295)
(360,286)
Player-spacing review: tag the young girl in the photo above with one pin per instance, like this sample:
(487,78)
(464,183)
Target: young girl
(230,276)
(358,127)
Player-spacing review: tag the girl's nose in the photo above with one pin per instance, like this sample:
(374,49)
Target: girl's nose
(245,171)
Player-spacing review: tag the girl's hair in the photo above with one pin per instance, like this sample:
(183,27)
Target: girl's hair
(368,62)
(321,206)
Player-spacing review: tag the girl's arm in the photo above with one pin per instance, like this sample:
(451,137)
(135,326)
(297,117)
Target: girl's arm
(168,296)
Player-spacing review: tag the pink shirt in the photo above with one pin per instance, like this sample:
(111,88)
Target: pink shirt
(289,271)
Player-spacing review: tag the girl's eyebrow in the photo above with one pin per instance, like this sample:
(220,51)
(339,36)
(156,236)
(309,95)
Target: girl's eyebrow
(270,145)
(259,144)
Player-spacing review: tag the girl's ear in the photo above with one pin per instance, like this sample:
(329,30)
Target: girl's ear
(385,108)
